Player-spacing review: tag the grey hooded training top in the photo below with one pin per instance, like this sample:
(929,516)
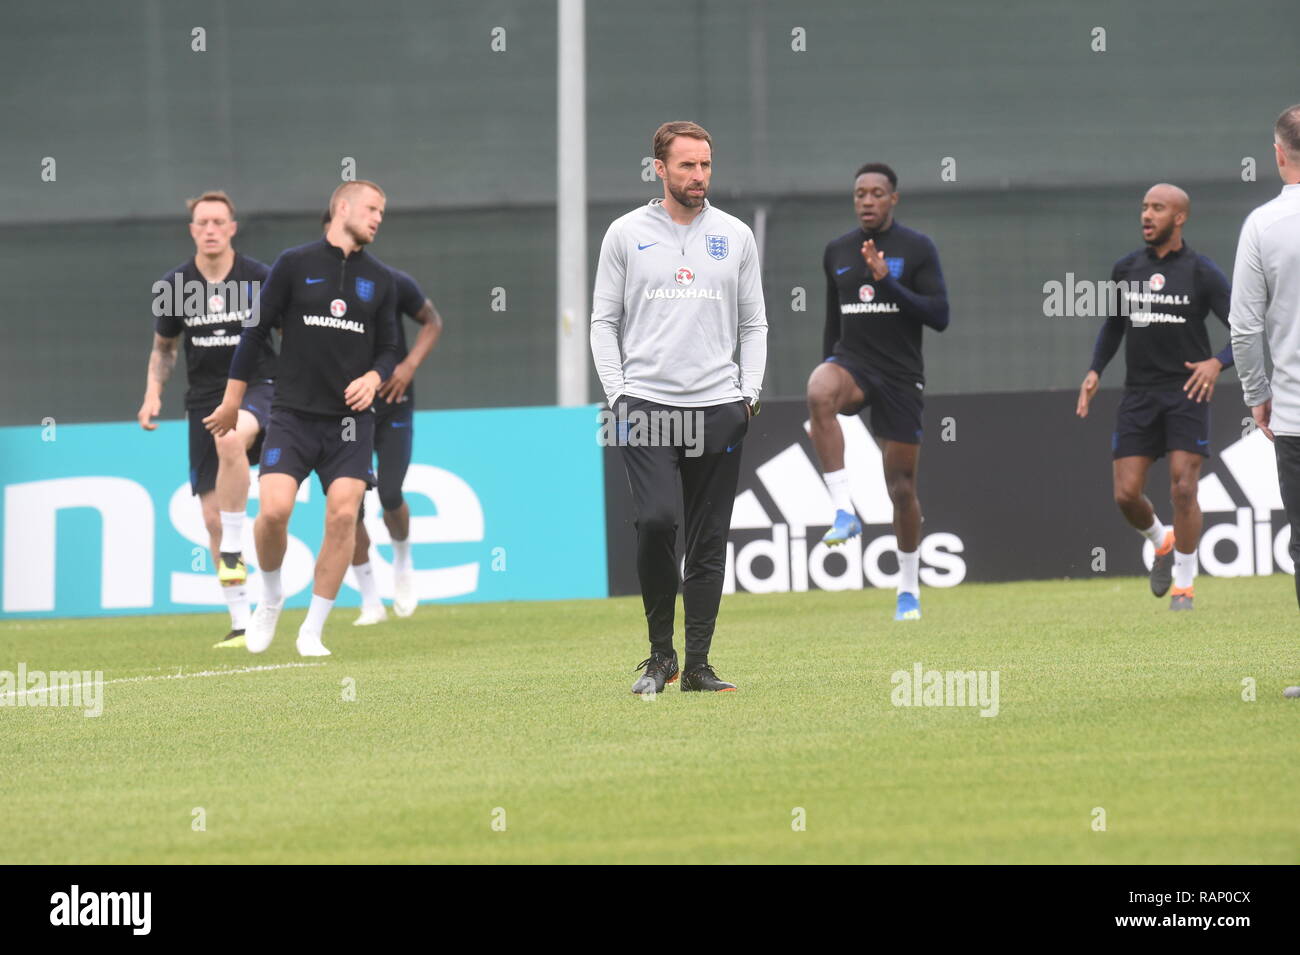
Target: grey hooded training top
(1266,301)
(672,303)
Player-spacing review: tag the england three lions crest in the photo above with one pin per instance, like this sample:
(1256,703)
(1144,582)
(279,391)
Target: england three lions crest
(365,289)
(716,246)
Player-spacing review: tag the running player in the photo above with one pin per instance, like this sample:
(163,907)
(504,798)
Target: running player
(678,293)
(334,305)
(394,432)
(218,466)
(1170,380)
(883,283)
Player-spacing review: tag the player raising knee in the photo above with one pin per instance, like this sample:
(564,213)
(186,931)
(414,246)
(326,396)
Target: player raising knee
(883,285)
(218,466)
(1167,291)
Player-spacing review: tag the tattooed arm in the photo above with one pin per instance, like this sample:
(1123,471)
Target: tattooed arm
(161,362)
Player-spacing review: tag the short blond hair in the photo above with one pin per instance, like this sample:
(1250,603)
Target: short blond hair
(212,195)
(345,187)
(666,133)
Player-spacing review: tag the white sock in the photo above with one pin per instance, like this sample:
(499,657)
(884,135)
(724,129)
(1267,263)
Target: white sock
(402,555)
(837,482)
(272,594)
(1184,569)
(366,584)
(237,604)
(317,613)
(232,531)
(1155,533)
(909,573)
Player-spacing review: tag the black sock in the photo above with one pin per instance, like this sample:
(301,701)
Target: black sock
(694,660)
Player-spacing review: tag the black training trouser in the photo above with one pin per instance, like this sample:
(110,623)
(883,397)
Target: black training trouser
(700,447)
(1288,478)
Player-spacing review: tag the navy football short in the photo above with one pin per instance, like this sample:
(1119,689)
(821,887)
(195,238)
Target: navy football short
(1150,423)
(297,444)
(203,447)
(393,436)
(895,405)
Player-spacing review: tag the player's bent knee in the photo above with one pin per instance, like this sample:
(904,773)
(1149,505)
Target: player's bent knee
(340,523)
(822,403)
(824,390)
(902,490)
(231,446)
(392,500)
(1184,493)
(273,516)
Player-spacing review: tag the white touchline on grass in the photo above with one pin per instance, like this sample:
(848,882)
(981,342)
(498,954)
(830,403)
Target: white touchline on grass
(170,676)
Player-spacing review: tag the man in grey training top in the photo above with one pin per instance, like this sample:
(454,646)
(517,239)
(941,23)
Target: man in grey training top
(1266,304)
(678,293)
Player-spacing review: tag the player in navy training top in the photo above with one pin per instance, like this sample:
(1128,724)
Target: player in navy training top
(206,300)
(394,433)
(883,284)
(334,305)
(1165,292)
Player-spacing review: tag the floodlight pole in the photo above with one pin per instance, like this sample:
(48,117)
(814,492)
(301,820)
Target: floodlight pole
(572,350)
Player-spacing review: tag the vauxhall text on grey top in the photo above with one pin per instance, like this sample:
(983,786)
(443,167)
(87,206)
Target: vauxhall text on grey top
(672,304)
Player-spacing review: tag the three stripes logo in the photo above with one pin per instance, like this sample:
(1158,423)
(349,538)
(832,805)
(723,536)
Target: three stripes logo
(1248,544)
(776,527)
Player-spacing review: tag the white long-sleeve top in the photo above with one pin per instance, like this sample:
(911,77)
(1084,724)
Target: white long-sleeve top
(1266,305)
(677,311)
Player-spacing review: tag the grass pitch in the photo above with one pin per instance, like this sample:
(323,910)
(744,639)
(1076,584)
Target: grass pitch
(519,714)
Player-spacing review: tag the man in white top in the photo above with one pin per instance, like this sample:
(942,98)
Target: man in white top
(1266,305)
(679,337)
